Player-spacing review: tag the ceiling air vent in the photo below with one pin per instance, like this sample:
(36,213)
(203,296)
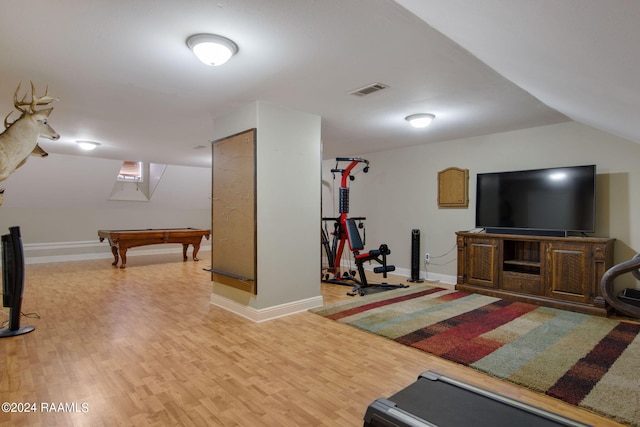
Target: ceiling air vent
(374,87)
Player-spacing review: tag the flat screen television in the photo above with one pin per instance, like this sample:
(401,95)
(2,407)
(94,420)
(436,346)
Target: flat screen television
(549,202)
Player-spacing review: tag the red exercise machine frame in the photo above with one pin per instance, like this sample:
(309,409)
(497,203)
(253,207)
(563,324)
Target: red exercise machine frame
(346,231)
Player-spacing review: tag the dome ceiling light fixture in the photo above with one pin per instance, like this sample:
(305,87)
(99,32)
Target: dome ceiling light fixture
(88,145)
(212,49)
(420,120)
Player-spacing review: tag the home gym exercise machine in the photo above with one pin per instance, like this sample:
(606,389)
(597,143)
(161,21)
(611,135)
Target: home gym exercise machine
(345,230)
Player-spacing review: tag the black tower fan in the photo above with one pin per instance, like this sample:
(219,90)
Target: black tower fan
(415,256)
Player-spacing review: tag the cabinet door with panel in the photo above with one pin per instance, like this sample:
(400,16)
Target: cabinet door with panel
(482,258)
(569,271)
(453,188)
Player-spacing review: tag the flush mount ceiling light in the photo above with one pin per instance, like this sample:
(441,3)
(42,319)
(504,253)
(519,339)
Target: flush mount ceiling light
(88,145)
(420,120)
(211,48)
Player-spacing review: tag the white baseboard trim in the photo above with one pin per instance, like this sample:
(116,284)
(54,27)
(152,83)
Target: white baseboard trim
(444,280)
(425,275)
(62,245)
(65,258)
(94,250)
(269,313)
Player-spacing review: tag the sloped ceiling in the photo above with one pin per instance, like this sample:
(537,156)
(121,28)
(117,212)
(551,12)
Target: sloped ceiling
(125,77)
(579,57)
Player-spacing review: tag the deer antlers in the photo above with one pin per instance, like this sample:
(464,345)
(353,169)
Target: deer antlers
(35,101)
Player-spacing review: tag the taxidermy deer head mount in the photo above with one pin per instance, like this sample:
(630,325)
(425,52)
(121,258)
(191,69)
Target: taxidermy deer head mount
(20,137)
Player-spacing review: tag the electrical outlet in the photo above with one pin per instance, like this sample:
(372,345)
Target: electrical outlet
(427,257)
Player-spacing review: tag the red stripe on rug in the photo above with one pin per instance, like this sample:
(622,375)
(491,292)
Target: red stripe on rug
(459,338)
(370,306)
(472,351)
(578,382)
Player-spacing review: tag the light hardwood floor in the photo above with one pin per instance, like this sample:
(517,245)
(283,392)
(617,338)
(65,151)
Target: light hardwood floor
(143,347)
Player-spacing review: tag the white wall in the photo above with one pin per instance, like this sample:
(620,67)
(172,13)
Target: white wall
(400,191)
(61,201)
(288,192)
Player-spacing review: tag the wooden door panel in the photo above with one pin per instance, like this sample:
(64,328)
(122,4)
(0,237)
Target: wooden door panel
(482,263)
(568,272)
(233,212)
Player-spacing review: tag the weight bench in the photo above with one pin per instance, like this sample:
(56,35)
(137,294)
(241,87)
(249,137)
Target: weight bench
(378,255)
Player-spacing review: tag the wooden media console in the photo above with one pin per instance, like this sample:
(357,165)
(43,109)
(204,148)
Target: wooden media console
(559,272)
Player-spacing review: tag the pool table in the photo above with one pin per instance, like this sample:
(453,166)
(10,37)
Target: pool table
(121,240)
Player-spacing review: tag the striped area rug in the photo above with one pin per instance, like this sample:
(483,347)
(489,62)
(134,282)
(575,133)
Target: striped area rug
(591,362)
